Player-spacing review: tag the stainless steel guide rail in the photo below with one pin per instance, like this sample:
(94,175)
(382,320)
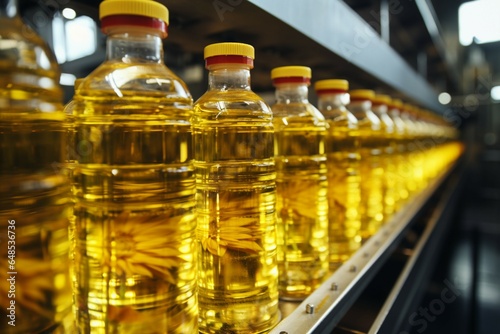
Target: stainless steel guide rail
(325,307)
(407,288)
(332,24)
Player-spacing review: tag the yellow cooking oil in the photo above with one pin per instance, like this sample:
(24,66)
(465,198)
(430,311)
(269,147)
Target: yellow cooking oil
(446,149)
(388,159)
(403,170)
(425,144)
(133,229)
(428,144)
(343,165)
(35,286)
(302,185)
(432,145)
(371,144)
(236,198)
(414,154)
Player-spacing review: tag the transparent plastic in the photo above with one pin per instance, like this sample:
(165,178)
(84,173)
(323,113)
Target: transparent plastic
(388,160)
(302,189)
(133,230)
(403,170)
(371,141)
(236,200)
(425,143)
(35,287)
(413,154)
(344,192)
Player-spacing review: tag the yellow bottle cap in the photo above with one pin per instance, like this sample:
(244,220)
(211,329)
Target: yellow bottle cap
(148,8)
(397,103)
(229,49)
(291,72)
(144,14)
(407,107)
(331,85)
(362,94)
(381,99)
(229,53)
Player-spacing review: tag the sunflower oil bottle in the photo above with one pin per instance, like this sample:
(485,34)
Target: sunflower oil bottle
(35,286)
(343,163)
(133,230)
(400,160)
(448,147)
(388,160)
(427,144)
(422,147)
(301,183)
(413,148)
(236,198)
(430,143)
(70,132)
(371,146)
(409,146)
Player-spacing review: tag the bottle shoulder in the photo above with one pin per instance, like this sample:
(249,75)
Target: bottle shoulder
(338,118)
(226,104)
(297,114)
(367,120)
(386,122)
(28,64)
(118,80)
(24,48)
(122,92)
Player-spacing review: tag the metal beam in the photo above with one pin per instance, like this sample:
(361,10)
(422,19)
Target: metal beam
(338,28)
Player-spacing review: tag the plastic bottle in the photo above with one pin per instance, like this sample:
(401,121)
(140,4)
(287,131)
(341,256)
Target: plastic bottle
(302,185)
(371,171)
(426,144)
(236,197)
(402,165)
(413,152)
(35,287)
(343,158)
(133,230)
(388,160)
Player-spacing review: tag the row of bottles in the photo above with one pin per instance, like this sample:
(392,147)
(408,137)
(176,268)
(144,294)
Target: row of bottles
(187,217)
(35,289)
(133,188)
(235,198)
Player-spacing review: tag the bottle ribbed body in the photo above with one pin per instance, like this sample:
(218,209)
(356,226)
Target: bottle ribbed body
(371,143)
(412,154)
(34,189)
(133,229)
(388,161)
(403,168)
(344,189)
(236,199)
(302,192)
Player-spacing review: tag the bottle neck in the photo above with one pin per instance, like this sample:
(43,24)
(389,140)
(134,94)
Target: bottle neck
(379,109)
(360,107)
(394,112)
(8,8)
(332,101)
(292,93)
(229,77)
(133,47)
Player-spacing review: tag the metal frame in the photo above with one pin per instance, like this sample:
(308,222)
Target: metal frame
(418,269)
(324,308)
(337,27)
